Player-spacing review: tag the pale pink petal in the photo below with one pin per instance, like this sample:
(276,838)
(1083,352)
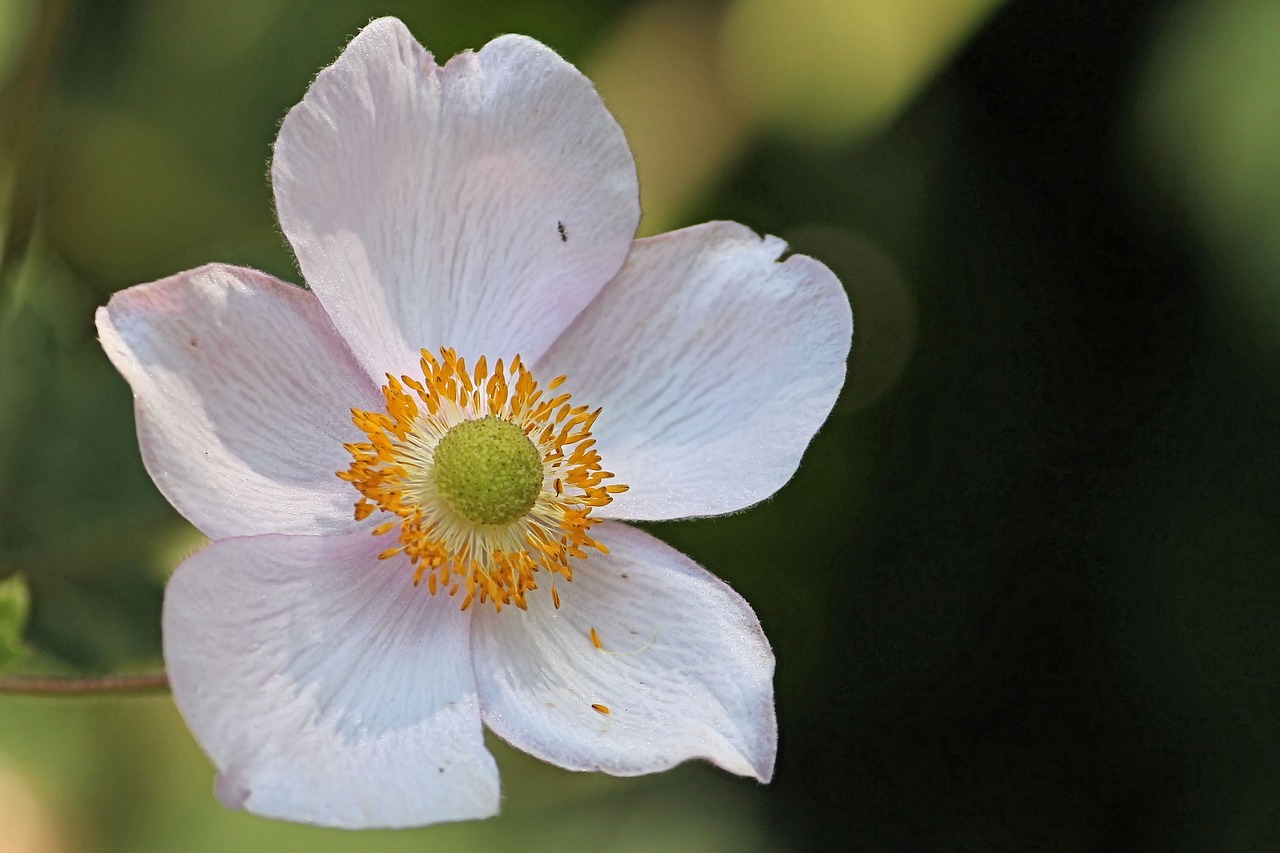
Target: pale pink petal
(243,393)
(479,206)
(324,686)
(714,365)
(683,668)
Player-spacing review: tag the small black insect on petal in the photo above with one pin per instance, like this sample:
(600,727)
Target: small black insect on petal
(564,236)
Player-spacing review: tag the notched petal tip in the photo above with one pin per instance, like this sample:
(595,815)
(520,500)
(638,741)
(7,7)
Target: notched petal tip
(422,202)
(745,347)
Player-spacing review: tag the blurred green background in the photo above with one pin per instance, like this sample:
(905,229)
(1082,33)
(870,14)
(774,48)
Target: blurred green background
(1025,590)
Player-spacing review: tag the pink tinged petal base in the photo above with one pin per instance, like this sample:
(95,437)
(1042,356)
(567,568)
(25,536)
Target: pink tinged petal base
(714,365)
(683,668)
(324,686)
(242,391)
(478,206)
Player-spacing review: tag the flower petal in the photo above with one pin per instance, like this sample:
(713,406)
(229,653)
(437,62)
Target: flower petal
(325,686)
(683,670)
(714,365)
(479,206)
(242,391)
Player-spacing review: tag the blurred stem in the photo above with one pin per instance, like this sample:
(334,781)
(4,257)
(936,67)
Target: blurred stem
(107,685)
(22,131)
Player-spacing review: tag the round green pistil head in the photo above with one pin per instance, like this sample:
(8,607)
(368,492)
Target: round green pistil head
(488,471)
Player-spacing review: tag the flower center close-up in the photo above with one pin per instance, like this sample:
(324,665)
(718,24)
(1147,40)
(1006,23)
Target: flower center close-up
(489,479)
(488,471)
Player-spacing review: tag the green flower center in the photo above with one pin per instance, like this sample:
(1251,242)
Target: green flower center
(488,471)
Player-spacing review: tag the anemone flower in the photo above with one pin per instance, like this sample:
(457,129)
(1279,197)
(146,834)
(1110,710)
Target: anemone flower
(412,472)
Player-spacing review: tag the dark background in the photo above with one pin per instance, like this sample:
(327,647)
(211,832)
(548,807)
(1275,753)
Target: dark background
(1054,625)
(1023,593)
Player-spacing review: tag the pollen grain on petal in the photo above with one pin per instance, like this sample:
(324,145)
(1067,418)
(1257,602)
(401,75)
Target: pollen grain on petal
(490,534)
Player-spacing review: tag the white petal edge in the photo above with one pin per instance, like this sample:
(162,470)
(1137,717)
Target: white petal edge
(324,686)
(478,206)
(713,364)
(243,393)
(684,669)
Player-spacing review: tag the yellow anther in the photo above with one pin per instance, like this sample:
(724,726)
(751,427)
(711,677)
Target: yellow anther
(445,514)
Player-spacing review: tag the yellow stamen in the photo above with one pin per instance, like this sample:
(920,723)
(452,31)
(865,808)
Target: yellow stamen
(493,553)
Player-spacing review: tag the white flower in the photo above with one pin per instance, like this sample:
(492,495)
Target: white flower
(446,218)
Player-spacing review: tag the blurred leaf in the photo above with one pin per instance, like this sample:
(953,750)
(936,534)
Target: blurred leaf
(1206,133)
(15,604)
(681,125)
(838,70)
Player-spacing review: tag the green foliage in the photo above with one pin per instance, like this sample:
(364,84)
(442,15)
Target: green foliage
(15,604)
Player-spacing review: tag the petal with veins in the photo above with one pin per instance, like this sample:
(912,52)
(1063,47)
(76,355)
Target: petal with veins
(714,365)
(326,687)
(478,206)
(681,669)
(243,393)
